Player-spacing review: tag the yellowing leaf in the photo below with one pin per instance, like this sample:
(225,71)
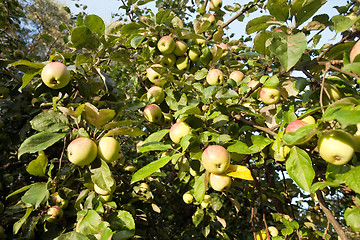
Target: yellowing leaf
(238,171)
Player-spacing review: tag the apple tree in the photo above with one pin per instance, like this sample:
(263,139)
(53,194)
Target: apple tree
(164,125)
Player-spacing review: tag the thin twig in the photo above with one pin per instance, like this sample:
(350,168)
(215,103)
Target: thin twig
(264,129)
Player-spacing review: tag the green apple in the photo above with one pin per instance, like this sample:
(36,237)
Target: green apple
(153,113)
(157,93)
(166,45)
(200,41)
(82,151)
(309,119)
(215,159)
(168,118)
(237,76)
(18,54)
(336,146)
(154,76)
(357,138)
(269,95)
(130,169)
(194,54)
(179,130)
(295,125)
(279,154)
(55,214)
(180,48)
(333,91)
(182,62)
(225,49)
(219,182)
(101,191)
(214,77)
(206,201)
(188,198)
(354,51)
(215,5)
(108,149)
(55,75)
(168,60)
(55,199)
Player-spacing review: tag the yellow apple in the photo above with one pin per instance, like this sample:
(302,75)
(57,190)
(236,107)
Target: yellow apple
(55,75)
(153,113)
(219,182)
(269,95)
(157,93)
(82,151)
(154,76)
(166,45)
(336,146)
(178,131)
(168,60)
(354,51)
(182,62)
(180,48)
(188,198)
(215,159)
(357,138)
(108,149)
(194,54)
(214,77)
(237,76)
(309,119)
(55,214)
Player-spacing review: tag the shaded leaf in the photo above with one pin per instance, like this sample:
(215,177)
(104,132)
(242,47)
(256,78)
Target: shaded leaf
(50,121)
(37,167)
(36,195)
(259,23)
(95,23)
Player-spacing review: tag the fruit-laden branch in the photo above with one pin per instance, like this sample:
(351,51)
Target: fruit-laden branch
(246,8)
(330,217)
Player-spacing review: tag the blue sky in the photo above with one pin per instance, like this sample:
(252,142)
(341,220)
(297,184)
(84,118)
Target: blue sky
(104,9)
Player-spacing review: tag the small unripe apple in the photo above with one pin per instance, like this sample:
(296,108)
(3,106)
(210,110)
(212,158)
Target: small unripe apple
(182,62)
(108,149)
(215,159)
(219,182)
(56,213)
(130,169)
(194,54)
(19,54)
(153,113)
(168,60)
(154,76)
(336,147)
(55,199)
(214,77)
(309,119)
(206,201)
(237,76)
(180,48)
(178,131)
(200,41)
(166,45)
(82,151)
(295,125)
(334,93)
(354,51)
(215,5)
(157,93)
(188,198)
(55,75)
(269,95)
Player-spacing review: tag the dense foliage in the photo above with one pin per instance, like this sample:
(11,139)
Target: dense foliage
(288,181)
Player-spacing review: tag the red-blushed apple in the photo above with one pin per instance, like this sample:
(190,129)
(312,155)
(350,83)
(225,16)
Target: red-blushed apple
(55,75)
(225,49)
(82,151)
(357,138)
(108,149)
(166,45)
(295,125)
(194,54)
(214,77)
(252,84)
(354,51)
(209,17)
(178,131)
(55,214)
(154,76)
(215,159)
(188,198)
(157,93)
(168,60)
(182,62)
(269,95)
(55,199)
(309,119)
(153,113)
(336,146)
(237,76)
(180,48)
(219,182)
(215,5)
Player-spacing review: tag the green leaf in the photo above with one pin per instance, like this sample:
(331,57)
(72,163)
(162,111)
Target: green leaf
(272,82)
(289,48)
(102,176)
(20,190)
(157,136)
(198,216)
(95,24)
(125,131)
(136,41)
(29,64)
(82,37)
(262,42)
(89,222)
(72,236)
(50,121)
(162,15)
(154,146)
(343,23)
(83,58)
(347,117)
(299,168)
(201,74)
(199,187)
(225,93)
(259,143)
(259,23)
(352,67)
(28,76)
(36,195)
(37,167)
(189,110)
(321,185)
(133,28)
(279,9)
(305,9)
(123,223)
(301,136)
(352,179)
(352,218)
(39,141)
(96,117)
(18,224)
(152,167)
